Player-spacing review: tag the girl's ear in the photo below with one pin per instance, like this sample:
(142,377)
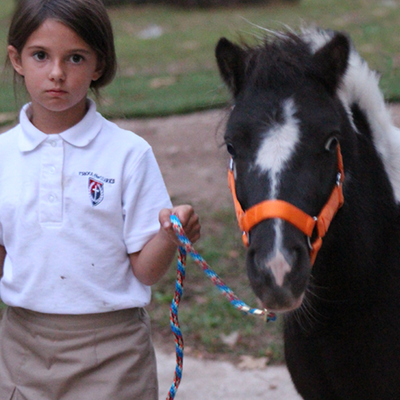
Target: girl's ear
(99,71)
(15,59)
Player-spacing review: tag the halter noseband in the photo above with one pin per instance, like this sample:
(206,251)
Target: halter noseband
(281,209)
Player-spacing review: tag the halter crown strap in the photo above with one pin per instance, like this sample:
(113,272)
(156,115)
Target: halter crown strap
(281,209)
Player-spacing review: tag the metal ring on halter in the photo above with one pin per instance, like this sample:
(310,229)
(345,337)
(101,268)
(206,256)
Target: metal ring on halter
(248,237)
(338,178)
(310,246)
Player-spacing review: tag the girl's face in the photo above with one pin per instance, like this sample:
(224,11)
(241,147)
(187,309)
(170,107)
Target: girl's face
(58,67)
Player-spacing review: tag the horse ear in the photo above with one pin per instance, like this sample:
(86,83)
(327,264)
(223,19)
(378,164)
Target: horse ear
(331,61)
(231,63)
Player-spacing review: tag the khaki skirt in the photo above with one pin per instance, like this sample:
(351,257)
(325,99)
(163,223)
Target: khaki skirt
(106,356)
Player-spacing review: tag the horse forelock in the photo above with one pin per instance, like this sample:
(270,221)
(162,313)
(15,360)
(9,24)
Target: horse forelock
(280,60)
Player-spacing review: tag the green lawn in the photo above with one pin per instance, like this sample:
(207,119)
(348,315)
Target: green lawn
(176,71)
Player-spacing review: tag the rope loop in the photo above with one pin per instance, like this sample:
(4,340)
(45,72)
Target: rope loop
(187,248)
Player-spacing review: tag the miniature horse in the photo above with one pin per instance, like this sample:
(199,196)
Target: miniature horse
(296,99)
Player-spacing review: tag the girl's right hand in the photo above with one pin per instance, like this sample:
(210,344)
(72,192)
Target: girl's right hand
(188,218)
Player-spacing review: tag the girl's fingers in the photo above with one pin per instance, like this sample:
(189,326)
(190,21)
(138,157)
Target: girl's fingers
(165,218)
(189,220)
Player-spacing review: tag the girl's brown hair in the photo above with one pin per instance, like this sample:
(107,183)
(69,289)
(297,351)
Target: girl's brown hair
(88,18)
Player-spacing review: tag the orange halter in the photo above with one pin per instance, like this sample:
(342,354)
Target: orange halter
(281,209)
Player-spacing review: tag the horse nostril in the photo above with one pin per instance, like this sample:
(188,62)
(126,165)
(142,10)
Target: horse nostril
(251,254)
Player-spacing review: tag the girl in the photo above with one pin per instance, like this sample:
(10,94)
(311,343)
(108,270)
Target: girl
(84,220)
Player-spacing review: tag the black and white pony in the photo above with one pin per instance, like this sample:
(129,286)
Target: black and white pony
(296,98)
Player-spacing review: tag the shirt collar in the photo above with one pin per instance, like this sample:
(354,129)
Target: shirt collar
(80,135)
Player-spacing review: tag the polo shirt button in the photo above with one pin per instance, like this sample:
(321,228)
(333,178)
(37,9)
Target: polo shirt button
(51,198)
(52,169)
(53,143)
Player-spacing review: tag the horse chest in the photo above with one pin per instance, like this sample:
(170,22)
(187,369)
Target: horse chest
(345,354)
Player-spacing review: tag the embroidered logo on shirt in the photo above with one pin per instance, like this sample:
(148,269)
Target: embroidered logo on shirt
(96,186)
(96,191)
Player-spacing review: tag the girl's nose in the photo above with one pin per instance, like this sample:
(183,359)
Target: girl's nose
(57,72)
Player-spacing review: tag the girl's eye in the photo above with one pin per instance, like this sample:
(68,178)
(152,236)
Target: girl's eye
(76,58)
(39,56)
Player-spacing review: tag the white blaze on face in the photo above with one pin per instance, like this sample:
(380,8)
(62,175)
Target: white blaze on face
(274,153)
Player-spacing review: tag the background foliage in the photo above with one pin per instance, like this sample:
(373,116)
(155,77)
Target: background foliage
(166,54)
(187,3)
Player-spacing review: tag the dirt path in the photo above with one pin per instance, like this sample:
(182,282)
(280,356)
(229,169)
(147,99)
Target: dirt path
(194,167)
(188,150)
(193,163)
(220,380)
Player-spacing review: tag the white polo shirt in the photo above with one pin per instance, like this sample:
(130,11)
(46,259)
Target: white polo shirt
(72,206)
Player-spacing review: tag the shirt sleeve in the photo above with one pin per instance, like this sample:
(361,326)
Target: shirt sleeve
(144,196)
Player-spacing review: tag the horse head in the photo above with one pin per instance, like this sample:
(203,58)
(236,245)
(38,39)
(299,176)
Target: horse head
(283,133)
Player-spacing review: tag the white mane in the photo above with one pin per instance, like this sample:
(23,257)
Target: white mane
(360,85)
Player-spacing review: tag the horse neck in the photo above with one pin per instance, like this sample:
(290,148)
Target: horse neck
(357,270)
(362,245)
(360,87)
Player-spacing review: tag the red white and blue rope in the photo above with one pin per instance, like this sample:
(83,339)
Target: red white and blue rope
(186,247)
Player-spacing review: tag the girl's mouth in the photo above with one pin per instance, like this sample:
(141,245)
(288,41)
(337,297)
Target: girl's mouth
(56,92)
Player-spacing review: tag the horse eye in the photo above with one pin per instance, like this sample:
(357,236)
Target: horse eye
(231,149)
(331,144)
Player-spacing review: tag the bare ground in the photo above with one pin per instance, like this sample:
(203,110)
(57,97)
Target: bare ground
(188,150)
(191,156)
(194,165)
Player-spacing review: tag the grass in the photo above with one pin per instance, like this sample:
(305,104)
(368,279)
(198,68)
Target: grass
(175,72)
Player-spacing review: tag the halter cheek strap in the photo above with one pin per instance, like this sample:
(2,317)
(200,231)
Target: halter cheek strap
(281,209)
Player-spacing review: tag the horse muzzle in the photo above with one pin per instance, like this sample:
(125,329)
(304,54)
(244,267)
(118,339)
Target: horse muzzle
(278,276)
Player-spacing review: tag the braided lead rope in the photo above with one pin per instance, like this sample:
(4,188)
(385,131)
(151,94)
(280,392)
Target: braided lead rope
(186,247)
(174,322)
